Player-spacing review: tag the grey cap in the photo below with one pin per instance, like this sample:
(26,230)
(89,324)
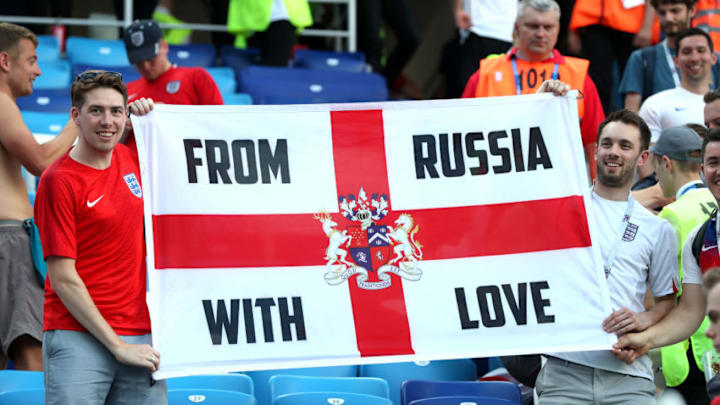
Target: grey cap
(678,143)
(141,40)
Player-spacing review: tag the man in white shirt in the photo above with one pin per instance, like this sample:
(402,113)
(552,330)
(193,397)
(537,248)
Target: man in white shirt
(684,104)
(637,248)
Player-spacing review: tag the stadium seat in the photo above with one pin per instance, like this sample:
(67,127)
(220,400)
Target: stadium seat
(237,99)
(440,370)
(293,384)
(55,74)
(469,400)
(46,100)
(13,380)
(417,389)
(261,378)
(208,397)
(48,48)
(90,51)
(45,123)
(224,78)
(201,55)
(24,397)
(129,73)
(344,398)
(239,59)
(226,382)
(272,85)
(327,60)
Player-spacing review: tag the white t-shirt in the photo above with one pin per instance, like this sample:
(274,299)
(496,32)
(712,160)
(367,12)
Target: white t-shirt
(691,270)
(492,18)
(672,108)
(647,254)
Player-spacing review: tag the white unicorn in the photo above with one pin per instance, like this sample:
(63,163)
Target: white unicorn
(334,254)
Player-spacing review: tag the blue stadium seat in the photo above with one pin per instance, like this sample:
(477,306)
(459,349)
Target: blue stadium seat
(327,60)
(208,397)
(202,55)
(464,400)
(272,85)
(237,99)
(129,73)
(46,100)
(90,51)
(344,398)
(13,380)
(417,389)
(45,123)
(239,59)
(55,74)
(48,48)
(293,384)
(440,370)
(224,78)
(261,378)
(24,397)
(225,382)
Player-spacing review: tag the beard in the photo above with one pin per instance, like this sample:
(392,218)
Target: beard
(622,178)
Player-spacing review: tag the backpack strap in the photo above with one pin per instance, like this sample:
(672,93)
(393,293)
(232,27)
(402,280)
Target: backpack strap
(649,59)
(699,239)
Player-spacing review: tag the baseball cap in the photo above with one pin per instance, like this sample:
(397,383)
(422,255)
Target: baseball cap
(678,143)
(141,40)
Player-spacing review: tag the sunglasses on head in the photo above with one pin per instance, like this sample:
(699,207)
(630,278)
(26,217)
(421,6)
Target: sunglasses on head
(91,75)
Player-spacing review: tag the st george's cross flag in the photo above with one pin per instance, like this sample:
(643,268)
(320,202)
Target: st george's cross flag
(294,236)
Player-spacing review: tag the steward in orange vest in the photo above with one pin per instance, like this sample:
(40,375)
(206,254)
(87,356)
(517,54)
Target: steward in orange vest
(707,17)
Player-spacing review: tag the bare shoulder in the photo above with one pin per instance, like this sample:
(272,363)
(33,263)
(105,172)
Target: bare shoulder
(12,122)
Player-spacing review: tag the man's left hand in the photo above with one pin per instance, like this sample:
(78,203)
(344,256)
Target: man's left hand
(625,320)
(554,86)
(141,106)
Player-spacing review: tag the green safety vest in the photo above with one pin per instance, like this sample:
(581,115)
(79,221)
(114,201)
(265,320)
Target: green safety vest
(248,16)
(173,36)
(689,211)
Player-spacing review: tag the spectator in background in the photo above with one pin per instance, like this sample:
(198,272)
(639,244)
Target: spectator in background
(606,32)
(21,292)
(533,61)
(651,69)
(707,17)
(486,27)
(711,111)
(269,25)
(683,104)
(399,17)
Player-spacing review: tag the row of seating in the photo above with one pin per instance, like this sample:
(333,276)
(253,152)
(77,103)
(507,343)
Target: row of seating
(26,387)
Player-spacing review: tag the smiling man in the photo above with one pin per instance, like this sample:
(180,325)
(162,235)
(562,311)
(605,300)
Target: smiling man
(21,293)
(89,209)
(683,104)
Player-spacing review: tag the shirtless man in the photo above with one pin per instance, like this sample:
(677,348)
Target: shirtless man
(21,291)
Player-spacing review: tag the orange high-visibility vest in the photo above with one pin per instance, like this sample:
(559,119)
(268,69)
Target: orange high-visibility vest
(497,78)
(707,17)
(612,14)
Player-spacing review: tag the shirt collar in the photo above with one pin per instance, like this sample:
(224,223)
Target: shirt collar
(688,187)
(556,57)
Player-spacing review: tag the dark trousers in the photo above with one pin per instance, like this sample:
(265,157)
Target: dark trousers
(472,51)
(398,16)
(693,388)
(275,43)
(604,46)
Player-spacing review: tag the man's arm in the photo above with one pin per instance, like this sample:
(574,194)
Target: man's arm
(17,139)
(74,295)
(644,35)
(625,320)
(633,101)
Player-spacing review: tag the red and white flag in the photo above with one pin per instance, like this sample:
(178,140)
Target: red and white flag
(290,236)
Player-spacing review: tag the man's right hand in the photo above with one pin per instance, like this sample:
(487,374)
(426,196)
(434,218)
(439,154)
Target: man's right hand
(138,355)
(631,346)
(462,19)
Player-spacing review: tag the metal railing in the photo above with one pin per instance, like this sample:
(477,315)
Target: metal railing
(350,33)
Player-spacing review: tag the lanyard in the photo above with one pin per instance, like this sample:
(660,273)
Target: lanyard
(620,233)
(683,190)
(518,85)
(671,64)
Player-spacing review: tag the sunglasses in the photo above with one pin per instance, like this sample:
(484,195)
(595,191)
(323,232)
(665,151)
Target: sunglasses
(91,75)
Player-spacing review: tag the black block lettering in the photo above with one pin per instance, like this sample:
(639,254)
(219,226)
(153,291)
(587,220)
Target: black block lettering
(423,162)
(192,161)
(251,177)
(447,170)
(217,324)
(265,304)
(538,154)
(494,293)
(496,150)
(217,165)
(295,319)
(465,321)
(536,288)
(274,162)
(517,306)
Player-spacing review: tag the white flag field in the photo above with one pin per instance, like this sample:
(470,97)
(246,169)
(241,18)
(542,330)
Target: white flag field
(316,235)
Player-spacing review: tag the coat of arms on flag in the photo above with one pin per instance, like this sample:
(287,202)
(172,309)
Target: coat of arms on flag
(375,249)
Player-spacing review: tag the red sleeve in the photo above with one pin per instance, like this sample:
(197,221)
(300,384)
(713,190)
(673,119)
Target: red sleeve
(55,216)
(207,89)
(471,86)
(593,114)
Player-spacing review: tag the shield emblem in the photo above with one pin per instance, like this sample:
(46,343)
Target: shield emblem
(369,248)
(173,86)
(133,184)
(137,38)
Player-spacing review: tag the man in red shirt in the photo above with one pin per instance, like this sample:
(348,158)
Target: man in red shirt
(161,80)
(89,210)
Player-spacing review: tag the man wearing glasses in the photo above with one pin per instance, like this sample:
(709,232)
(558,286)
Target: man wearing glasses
(21,293)
(89,208)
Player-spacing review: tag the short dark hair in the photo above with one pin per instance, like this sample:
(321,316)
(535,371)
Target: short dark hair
(628,117)
(688,3)
(691,32)
(95,79)
(698,128)
(10,36)
(713,135)
(711,96)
